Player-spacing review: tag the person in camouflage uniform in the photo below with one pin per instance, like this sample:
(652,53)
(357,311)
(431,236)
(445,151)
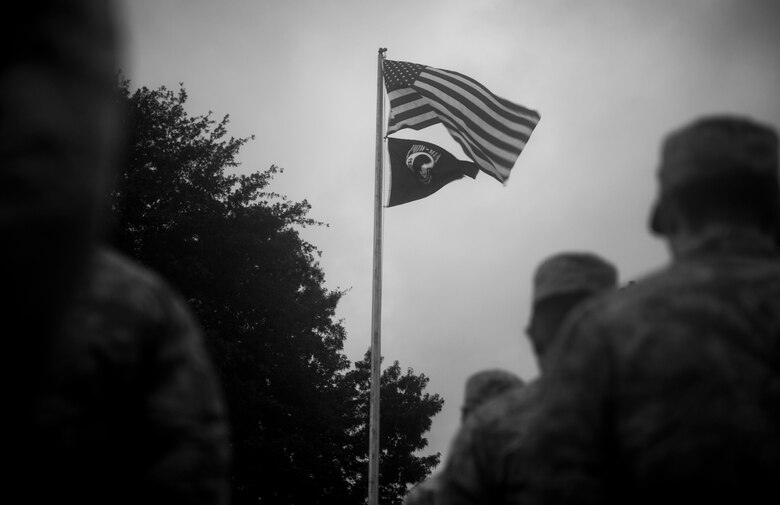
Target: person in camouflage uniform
(479,468)
(109,394)
(480,388)
(669,392)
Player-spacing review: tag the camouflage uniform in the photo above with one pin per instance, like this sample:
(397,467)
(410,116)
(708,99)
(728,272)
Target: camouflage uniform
(129,410)
(479,469)
(108,393)
(425,492)
(483,463)
(483,386)
(480,388)
(669,392)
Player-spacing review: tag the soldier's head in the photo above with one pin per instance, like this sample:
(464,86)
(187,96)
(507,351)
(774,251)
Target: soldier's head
(485,385)
(561,282)
(718,170)
(60,131)
(60,125)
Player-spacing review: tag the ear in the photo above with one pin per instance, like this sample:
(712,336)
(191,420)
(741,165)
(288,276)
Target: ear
(661,219)
(656,219)
(536,345)
(531,328)
(777,225)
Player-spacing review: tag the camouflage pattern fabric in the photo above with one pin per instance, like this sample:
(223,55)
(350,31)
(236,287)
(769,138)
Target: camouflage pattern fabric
(425,492)
(129,410)
(668,391)
(481,387)
(481,464)
(109,395)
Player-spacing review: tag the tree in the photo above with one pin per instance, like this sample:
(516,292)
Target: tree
(405,412)
(233,248)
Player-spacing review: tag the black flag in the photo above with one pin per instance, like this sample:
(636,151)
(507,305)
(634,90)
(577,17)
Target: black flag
(419,169)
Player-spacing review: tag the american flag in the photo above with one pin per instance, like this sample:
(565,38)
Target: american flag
(492,131)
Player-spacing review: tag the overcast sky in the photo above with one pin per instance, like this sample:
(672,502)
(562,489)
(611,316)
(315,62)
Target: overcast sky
(609,79)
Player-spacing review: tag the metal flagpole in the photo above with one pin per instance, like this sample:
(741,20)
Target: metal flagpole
(376,304)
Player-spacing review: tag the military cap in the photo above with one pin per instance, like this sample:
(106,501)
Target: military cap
(573,272)
(486,384)
(712,148)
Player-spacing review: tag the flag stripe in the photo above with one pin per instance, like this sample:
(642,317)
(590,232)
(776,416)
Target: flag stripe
(486,166)
(409,110)
(410,113)
(477,112)
(475,152)
(399,108)
(402,96)
(511,106)
(481,97)
(416,123)
(472,121)
(500,150)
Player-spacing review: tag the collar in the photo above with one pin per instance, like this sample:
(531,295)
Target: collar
(723,239)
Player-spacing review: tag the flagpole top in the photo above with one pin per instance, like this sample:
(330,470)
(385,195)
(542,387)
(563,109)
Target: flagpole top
(382,50)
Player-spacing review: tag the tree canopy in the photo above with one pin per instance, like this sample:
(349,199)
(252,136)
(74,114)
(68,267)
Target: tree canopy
(233,247)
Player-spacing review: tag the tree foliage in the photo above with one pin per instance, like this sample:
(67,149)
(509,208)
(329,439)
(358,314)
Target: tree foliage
(298,408)
(405,411)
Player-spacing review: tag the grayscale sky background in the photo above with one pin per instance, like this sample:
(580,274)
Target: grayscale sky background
(609,79)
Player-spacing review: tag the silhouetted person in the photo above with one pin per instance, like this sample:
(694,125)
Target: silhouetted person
(669,392)
(109,395)
(485,464)
(480,388)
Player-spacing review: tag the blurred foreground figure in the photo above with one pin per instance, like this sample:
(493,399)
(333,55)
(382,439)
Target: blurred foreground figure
(481,387)
(109,396)
(484,464)
(669,392)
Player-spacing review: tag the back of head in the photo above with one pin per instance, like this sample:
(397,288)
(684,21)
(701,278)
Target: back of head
(718,169)
(572,272)
(561,282)
(485,385)
(60,124)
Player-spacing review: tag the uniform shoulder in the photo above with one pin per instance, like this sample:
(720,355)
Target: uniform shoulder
(623,302)
(503,411)
(116,279)
(423,492)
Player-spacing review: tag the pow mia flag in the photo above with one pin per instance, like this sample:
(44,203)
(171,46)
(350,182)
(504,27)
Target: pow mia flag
(419,169)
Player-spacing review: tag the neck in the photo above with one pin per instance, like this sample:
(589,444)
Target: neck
(543,365)
(728,236)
